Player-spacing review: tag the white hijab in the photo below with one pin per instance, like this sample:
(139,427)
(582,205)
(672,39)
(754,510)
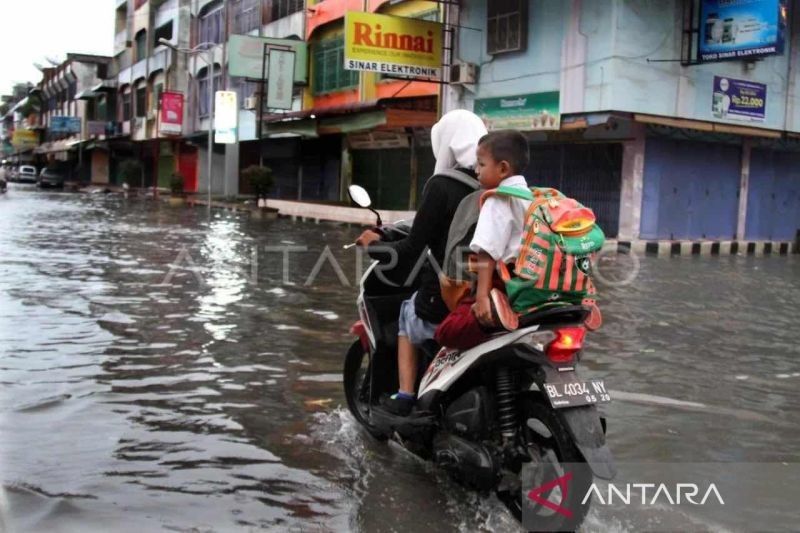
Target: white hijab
(455,140)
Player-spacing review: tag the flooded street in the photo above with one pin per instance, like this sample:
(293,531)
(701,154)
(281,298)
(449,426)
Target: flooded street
(138,397)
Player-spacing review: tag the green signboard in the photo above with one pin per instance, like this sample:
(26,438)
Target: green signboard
(526,112)
(246,56)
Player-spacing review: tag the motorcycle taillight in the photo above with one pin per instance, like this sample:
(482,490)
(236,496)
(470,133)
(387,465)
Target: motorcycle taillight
(568,342)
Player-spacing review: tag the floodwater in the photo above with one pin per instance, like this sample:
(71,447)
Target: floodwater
(159,370)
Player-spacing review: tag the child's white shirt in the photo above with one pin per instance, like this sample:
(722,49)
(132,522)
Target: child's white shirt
(501,223)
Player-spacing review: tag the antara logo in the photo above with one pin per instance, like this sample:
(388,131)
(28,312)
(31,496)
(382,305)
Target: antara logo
(366,35)
(662,494)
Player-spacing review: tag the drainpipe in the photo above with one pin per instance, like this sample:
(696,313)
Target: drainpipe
(744,186)
(794,44)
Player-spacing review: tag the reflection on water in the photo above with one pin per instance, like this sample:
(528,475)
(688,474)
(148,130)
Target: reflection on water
(157,373)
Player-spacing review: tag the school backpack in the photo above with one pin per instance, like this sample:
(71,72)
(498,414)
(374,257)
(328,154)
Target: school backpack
(559,242)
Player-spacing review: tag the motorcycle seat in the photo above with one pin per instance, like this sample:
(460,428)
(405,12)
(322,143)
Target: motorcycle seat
(566,314)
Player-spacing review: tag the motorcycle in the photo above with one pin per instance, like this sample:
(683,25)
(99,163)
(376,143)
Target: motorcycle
(504,416)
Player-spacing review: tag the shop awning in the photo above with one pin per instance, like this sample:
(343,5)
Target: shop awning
(88,94)
(352,123)
(105,86)
(351,118)
(305,127)
(702,125)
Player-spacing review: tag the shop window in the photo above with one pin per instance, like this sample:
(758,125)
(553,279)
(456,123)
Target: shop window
(212,27)
(141,45)
(283,8)
(162,32)
(101,112)
(203,88)
(245,89)
(507,26)
(329,72)
(246,15)
(155,101)
(126,106)
(141,101)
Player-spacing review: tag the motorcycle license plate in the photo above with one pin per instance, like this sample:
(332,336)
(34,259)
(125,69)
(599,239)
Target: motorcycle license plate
(576,393)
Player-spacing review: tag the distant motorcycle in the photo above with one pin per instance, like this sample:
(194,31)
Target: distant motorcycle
(502,416)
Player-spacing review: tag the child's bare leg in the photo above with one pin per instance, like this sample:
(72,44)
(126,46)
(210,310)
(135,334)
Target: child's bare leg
(406,365)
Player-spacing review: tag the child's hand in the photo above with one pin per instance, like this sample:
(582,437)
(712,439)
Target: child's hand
(482,309)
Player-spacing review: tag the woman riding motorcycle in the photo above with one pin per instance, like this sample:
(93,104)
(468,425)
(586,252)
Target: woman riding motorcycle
(454,140)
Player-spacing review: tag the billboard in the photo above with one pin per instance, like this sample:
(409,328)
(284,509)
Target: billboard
(246,55)
(279,84)
(60,124)
(171,119)
(526,112)
(226,117)
(739,99)
(392,45)
(23,140)
(738,29)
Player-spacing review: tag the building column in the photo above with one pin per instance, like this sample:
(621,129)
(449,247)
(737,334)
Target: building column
(231,172)
(744,186)
(630,205)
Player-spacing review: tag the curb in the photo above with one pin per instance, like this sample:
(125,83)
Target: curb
(707,248)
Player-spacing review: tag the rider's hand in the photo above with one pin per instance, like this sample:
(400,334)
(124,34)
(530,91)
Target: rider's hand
(482,309)
(367,237)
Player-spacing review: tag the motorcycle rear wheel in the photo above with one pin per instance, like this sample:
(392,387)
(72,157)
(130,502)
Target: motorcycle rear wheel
(356,388)
(548,440)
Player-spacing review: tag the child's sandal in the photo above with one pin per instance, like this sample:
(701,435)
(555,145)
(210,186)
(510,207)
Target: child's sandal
(502,313)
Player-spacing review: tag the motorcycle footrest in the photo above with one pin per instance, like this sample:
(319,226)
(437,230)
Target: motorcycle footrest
(415,421)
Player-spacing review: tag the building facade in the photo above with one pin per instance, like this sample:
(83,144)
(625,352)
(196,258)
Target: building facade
(68,117)
(645,131)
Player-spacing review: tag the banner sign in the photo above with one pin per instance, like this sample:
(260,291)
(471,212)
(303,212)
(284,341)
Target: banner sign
(171,122)
(739,100)
(226,117)
(60,124)
(246,56)
(736,29)
(279,81)
(23,140)
(392,45)
(527,112)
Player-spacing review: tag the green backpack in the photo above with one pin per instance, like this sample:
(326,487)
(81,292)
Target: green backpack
(559,241)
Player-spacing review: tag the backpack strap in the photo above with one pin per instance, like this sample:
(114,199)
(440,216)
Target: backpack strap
(503,190)
(457,175)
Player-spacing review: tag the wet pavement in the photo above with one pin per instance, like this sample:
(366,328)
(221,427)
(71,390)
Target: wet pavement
(135,395)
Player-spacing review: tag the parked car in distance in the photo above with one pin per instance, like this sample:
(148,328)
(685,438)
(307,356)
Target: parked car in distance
(26,174)
(51,177)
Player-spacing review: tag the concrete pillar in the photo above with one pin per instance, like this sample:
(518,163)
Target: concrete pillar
(449,96)
(218,171)
(231,184)
(573,62)
(744,186)
(630,205)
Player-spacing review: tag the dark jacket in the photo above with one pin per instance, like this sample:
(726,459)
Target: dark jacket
(440,200)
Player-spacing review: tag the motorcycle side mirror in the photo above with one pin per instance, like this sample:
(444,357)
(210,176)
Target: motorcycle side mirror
(361,198)
(359,195)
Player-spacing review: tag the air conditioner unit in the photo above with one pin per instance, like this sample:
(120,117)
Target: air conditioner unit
(464,73)
(251,102)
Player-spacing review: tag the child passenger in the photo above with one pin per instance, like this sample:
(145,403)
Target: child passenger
(502,157)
